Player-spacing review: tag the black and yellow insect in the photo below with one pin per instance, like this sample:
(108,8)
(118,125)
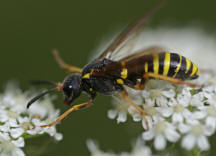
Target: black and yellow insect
(107,75)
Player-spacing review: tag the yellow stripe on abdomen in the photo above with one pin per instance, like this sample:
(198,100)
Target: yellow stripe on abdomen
(178,66)
(156,63)
(188,65)
(146,67)
(194,70)
(166,63)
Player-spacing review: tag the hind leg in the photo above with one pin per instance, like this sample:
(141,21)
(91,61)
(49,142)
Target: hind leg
(170,79)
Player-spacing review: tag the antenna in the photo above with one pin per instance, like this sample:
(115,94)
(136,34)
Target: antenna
(39,96)
(57,88)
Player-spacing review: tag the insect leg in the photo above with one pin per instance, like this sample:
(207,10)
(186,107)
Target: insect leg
(74,108)
(170,79)
(63,64)
(140,85)
(141,111)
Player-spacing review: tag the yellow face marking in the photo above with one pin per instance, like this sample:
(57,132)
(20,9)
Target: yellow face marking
(166,63)
(156,63)
(193,70)
(86,76)
(124,73)
(178,66)
(146,67)
(120,81)
(188,65)
(90,89)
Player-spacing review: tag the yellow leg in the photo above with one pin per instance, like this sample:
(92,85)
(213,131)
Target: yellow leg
(63,64)
(170,79)
(141,111)
(74,108)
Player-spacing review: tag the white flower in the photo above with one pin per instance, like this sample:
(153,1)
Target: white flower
(176,112)
(139,149)
(171,111)
(179,110)
(16,132)
(151,115)
(95,151)
(10,147)
(120,111)
(18,122)
(196,135)
(210,116)
(161,132)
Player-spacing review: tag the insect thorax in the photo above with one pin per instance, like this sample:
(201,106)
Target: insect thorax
(103,84)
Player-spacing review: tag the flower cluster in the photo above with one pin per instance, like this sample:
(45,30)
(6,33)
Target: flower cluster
(17,123)
(139,149)
(174,112)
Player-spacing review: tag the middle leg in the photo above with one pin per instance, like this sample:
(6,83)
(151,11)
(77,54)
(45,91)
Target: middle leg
(141,111)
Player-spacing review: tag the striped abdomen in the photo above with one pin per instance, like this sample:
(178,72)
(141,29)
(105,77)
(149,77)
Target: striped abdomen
(166,63)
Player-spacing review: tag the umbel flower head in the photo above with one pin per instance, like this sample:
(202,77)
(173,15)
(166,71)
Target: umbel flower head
(18,123)
(176,113)
(139,149)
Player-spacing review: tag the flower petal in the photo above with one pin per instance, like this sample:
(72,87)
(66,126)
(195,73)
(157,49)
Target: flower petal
(112,114)
(177,118)
(188,141)
(171,135)
(122,117)
(18,152)
(148,135)
(159,142)
(19,142)
(203,143)
(16,132)
(58,136)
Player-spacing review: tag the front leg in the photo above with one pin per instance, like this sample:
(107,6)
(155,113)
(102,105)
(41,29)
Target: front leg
(74,108)
(63,64)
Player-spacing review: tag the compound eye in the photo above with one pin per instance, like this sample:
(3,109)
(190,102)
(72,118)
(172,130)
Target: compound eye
(68,90)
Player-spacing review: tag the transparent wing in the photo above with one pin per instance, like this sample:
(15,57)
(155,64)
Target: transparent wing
(132,62)
(126,39)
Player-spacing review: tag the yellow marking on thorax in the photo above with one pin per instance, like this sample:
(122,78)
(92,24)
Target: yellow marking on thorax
(122,64)
(188,65)
(124,73)
(178,66)
(86,76)
(120,81)
(166,63)
(146,67)
(193,70)
(156,63)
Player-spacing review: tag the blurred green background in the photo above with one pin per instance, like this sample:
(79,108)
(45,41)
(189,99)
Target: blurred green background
(29,29)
